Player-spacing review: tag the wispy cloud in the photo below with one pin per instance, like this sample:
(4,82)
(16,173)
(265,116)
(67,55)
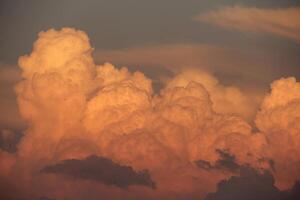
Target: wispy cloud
(283,22)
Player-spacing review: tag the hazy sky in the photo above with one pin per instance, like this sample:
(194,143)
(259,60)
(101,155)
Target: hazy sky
(119,24)
(115,25)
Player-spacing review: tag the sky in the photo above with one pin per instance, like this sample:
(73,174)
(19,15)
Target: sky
(169,99)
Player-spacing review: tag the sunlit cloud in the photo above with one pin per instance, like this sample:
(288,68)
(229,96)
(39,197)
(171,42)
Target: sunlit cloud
(10,117)
(189,136)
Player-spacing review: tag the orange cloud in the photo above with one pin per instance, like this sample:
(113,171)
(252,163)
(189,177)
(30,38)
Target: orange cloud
(279,118)
(75,109)
(282,22)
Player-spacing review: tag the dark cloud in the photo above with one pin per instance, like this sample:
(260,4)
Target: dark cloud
(270,162)
(9,191)
(226,162)
(252,185)
(294,193)
(9,140)
(102,170)
(9,117)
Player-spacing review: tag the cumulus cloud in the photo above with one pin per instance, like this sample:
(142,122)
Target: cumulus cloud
(282,22)
(74,109)
(278,118)
(102,170)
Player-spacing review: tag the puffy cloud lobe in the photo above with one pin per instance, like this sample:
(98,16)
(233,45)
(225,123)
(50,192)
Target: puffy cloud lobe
(283,91)
(52,96)
(67,52)
(251,184)
(75,109)
(226,132)
(279,119)
(188,106)
(121,95)
(226,100)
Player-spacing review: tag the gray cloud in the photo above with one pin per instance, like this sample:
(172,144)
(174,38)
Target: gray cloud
(226,162)
(10,116)
(102,170)
(252,185)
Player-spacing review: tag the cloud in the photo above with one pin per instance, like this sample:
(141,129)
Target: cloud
(9,140)
(9,191)
(252,185)
(175,57)
(225,99)
(75,109)
(278,118)
(102,170)
(282,22)
(226,162)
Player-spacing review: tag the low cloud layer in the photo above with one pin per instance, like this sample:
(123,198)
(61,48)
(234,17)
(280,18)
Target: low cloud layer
(252,185)
(102,170)
(226,162)
(74,109)
(282,22)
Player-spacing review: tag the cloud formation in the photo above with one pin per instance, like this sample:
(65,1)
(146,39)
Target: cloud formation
(250,185)
(102,170)
(75,109)
(282,22)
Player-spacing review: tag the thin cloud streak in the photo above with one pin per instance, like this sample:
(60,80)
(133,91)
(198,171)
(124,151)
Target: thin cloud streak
(283,22)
